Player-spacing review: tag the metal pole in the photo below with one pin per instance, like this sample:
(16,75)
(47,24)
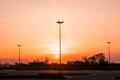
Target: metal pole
(109,54)
(60,45)
(60,22)
(109,51)
(19,54)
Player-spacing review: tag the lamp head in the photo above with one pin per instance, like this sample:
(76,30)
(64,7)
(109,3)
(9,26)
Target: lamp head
(60,22)
(108,42)
(19,45)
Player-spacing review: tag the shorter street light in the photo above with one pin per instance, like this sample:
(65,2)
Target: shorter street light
(109,53)
(19,54)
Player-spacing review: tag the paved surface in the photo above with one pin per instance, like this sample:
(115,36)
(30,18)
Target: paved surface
(79,75)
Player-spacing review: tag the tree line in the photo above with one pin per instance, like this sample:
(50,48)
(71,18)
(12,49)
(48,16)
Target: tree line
(97,61)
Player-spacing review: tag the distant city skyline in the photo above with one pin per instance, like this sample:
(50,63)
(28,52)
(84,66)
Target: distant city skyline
(88,25)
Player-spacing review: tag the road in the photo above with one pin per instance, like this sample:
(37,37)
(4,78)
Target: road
(69,74)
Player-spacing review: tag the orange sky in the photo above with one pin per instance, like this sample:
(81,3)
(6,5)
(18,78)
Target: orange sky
(88,25)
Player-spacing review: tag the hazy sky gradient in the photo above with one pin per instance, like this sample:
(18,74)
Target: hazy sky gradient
(88,25)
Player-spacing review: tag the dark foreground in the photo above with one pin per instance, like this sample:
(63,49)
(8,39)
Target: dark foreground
(52,75)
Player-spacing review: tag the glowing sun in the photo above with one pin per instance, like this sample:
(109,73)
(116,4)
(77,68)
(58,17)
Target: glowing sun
(57,56)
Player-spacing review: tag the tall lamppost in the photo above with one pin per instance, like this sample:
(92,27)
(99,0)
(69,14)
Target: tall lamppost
(109,52)
(60,22)
(19,54)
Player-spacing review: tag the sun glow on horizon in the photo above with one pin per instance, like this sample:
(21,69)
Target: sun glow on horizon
(57,56)
(54,49)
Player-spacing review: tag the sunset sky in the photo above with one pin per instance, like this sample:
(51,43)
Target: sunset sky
(88,26)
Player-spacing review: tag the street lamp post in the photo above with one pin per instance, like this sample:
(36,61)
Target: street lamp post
(109,53)
(60,22)
(19,54)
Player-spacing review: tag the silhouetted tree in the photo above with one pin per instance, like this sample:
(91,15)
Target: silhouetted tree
(100,58)
(85,59)
(92,60)
(96,59)
(46,60)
